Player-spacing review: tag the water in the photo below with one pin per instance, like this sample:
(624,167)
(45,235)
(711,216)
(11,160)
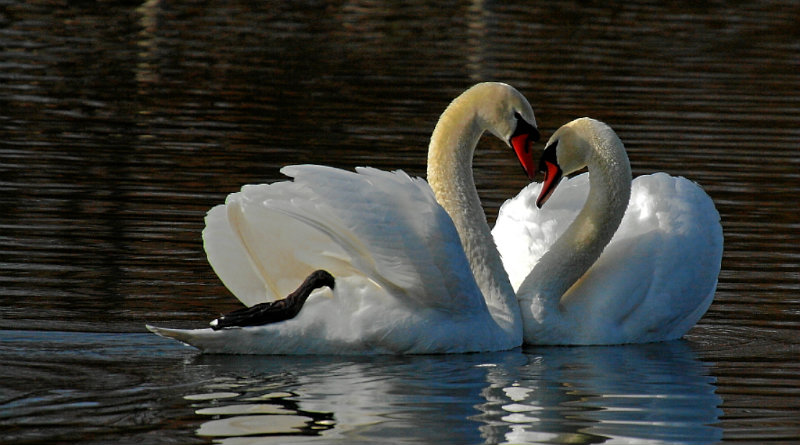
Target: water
(120,125)
(137,387)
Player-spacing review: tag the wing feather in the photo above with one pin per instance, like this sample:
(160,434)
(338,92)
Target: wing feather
(383,226)
(658,274)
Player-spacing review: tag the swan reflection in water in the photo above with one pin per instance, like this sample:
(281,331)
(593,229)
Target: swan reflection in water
(651,393)
(648,393)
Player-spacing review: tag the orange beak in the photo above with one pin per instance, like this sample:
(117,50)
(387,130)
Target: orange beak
(552,174)
(523,138)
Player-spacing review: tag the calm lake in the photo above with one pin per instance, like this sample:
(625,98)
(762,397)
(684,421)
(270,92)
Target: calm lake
(122,123)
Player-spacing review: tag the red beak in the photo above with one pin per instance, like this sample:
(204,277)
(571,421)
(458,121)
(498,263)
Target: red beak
(522,147)
(552,173)
(552,176)
(524,136)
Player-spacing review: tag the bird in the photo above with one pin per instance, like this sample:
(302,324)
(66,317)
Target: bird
(600,258)
(416,269)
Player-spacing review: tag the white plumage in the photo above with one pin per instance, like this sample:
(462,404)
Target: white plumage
(605,261)
(404,283)
(652,282)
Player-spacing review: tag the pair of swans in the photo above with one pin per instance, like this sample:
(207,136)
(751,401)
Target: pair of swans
(418,270)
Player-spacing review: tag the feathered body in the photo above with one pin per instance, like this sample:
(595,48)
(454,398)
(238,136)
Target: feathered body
(606,260)
(404,282)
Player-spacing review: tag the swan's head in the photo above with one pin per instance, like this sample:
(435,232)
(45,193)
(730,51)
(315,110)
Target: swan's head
(506,114)
(568,150)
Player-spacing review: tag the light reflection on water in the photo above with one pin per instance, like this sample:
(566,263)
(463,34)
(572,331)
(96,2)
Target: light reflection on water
(647,393)
(122,124)
(152,387)
(655,393)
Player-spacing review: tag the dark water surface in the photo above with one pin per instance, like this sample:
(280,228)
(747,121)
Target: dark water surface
(122,123)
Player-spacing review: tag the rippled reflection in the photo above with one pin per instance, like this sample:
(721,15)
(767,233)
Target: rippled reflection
(253,413)
(658,393)
(654,393)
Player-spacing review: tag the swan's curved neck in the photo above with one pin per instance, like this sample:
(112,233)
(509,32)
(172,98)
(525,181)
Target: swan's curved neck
(450,176)
(584,240)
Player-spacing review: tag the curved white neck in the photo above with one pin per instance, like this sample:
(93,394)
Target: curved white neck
(584,240)
(450,176)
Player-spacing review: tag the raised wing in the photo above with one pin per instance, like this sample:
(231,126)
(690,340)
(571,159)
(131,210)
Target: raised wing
(666,255)
(659,272)
(523,232)
(382,228)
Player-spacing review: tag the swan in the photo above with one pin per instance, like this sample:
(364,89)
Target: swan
(637,263)
(411,275)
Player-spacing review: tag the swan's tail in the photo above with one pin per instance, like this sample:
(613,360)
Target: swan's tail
(226,341)
(187,336)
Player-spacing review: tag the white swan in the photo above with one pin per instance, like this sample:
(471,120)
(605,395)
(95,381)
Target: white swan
(637,263)
(403,282)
